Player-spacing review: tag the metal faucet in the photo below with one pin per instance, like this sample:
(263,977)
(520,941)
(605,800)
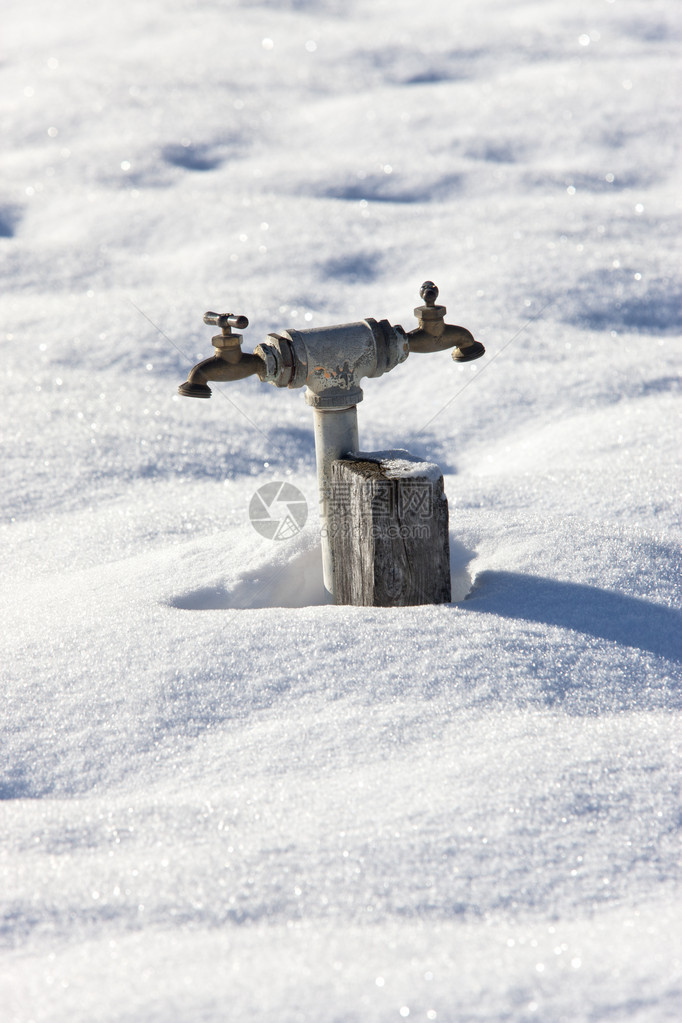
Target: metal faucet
(331,362)
(435,335)
(228,363)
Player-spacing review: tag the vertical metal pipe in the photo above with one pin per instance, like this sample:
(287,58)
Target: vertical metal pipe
(336,435)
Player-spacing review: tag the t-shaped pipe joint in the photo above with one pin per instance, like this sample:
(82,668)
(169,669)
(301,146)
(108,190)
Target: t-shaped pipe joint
(331,361)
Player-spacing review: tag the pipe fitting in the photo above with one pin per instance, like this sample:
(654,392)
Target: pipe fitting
(331,361)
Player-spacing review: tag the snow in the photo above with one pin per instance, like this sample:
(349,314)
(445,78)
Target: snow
(399,464)
(223,799)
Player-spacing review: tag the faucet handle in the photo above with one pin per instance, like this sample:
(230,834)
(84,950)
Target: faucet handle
(429,292)
(226,320)
(430,311)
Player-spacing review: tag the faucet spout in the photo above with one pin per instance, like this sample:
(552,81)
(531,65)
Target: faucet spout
(219,368)
(436,336)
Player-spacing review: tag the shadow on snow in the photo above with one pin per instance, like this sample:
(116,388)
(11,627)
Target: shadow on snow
(603,614)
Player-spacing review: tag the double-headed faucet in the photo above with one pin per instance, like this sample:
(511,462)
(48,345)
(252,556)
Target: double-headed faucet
(330,362)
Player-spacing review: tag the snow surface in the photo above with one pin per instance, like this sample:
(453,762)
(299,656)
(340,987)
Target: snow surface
(222,799)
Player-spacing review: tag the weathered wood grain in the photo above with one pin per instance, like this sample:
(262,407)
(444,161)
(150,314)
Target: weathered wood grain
(389,524)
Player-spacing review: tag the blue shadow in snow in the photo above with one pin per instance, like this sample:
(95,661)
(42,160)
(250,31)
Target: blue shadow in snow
(612,300)
(192,157)
(357,267)
(380,188)
(603,614)
(9,219)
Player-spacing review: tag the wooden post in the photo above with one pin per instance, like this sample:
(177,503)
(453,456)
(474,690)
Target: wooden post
(388,517)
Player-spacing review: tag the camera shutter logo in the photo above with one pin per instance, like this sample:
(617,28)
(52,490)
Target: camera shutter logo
(278,511)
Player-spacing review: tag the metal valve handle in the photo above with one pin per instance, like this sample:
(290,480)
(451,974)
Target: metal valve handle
(429,292)
(226,320)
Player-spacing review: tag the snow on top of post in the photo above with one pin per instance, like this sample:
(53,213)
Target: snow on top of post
(400,464)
